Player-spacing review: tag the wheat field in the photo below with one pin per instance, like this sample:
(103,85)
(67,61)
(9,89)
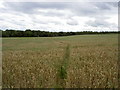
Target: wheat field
(81,61)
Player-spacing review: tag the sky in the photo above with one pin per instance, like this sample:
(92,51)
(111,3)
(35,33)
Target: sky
(59,16)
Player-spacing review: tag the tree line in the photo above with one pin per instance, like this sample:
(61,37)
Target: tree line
(38,33)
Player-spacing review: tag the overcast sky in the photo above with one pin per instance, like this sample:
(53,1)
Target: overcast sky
(59,16)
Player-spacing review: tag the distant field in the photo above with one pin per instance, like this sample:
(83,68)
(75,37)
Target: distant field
(82,61)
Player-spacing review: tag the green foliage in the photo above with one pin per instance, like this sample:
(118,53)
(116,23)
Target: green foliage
(37,33)
(63,68)
(63,72)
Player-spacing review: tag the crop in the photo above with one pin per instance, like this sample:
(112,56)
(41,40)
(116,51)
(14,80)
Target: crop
(81,61)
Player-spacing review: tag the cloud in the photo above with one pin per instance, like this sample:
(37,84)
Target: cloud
(81,8)
(101,23)
(58,16)
(31,7)
(72,22)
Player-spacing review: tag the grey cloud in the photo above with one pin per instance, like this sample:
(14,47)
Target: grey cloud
(45,22)
(96,10)
(78,8)
(72,22)
(106,5)
(51,13)
(30,7)
(101,23)
(2,19)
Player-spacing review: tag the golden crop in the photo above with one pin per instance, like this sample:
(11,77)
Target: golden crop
(83,61)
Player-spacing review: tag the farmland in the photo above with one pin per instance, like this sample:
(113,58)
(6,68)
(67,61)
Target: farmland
(81,61)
